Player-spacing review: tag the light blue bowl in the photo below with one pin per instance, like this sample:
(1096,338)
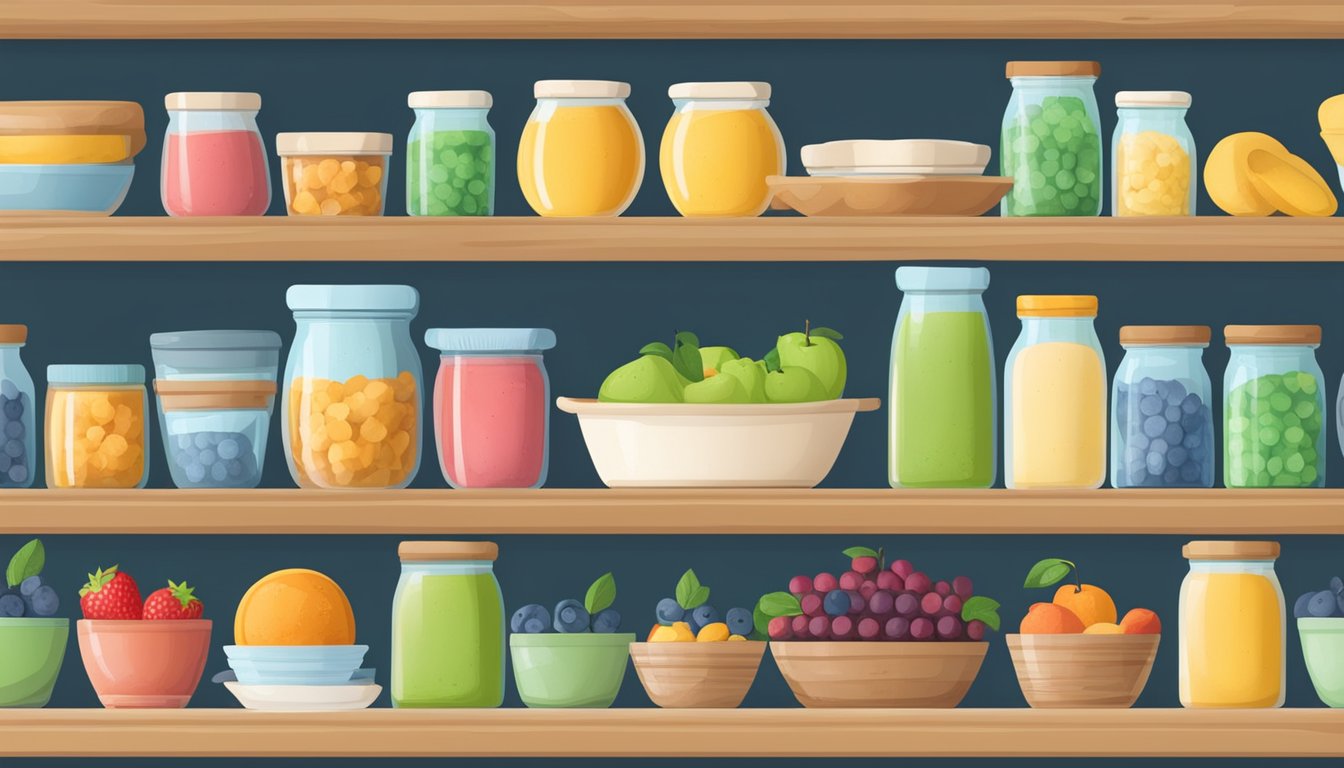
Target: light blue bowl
(295,665)
(90,188)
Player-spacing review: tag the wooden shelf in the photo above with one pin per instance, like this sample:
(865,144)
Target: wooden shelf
(771,239)
(798,19)
(688,733)
(606,511)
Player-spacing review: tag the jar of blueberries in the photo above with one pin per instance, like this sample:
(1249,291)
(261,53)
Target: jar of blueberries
(18,433)
(1274,408)
(1161,423)
(215,390)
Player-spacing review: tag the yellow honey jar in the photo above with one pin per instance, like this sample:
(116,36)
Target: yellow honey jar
(96,426)
(334,174)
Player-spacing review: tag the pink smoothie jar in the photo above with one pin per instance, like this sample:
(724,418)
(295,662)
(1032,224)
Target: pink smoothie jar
(214,162)
(492,406)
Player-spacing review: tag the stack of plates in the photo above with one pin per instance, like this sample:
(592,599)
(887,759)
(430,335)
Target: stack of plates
(300,677)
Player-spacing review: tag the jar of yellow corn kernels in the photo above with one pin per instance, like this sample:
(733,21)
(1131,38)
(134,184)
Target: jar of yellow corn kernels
(96,426)
(1152,155)
(351,402)
(334,174)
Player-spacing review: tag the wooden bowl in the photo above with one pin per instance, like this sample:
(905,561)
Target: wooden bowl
(699,675)
(880,674)
(888,196)
(1082,670)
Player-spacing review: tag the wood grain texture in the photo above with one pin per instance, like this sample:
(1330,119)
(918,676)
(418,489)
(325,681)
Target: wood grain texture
(607,511)
(686,732)
(774,239)
(794,19)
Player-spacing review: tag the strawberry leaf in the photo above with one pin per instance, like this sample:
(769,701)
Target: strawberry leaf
(184,594)
(98,580)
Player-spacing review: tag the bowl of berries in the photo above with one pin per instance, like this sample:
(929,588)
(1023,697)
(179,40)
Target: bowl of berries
(878,635)
(572,657)
(696,657)
(1320,624)
(32,639)
(148,654)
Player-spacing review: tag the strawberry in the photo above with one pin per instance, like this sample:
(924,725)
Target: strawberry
(110,594)
(174,601)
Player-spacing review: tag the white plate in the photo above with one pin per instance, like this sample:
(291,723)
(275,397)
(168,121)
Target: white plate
(896,157)
(304,698)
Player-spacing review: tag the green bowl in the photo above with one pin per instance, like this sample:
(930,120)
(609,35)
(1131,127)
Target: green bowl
(578,670)
(1323,649)
(31,652)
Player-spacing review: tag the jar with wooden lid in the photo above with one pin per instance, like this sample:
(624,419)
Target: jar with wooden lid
(1161,424)
(1051,140)
(1273,408)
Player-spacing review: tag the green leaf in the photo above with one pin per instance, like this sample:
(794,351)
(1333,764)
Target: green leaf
(600,595)
(686,357)
(689,338)
(985,609)
(699,597)
(1051,570)
(657,349)
(28,561)
(780,604)
(761,622)
(827,333)
(854,552)
(771,360)
(688,589)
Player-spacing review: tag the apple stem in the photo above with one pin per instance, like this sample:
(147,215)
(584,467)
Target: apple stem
(807,333)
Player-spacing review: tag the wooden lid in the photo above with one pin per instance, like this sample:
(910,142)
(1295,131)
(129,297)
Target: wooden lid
(1056,306)
(1165,335)
(68,118)
(447,551)
(1272,334)
(1231,550)
(214,395)
(1054,69)
(13,334)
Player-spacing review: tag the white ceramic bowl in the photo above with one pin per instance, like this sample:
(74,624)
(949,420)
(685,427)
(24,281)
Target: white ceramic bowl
(682,445)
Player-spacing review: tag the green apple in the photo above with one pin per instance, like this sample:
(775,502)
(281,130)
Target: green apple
(794,385)
(750,374)
(717,389)
(818,354)
(650,379)
(713,357)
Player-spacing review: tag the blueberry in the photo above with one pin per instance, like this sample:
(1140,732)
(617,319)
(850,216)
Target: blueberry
(208,456)
(14,429)
(1336,585)
(1175,393)
(1190,472)
(1138,439)
(45,601)
(195,473)
(530,620)
(201,440)
(185,458)
(836,603)
(1156,463)
(18,473)
(1147,386)
(11,604)
(1151,405)
(1158,446)
(185,442)
(705,614)
(227,449)
(14,448)
(1300,607)
(9,389)
(668,612)
(13,410)
(607,621)
(740,621)
(1171,475)
(1177,456)
(1191,403)
(1154,426)
(570,616)
(1173,434)
(1191,440)
(1172,414)
(219,472)
(1323,604)
(29,585)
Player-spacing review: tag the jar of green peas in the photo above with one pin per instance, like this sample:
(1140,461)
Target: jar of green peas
(450,155)
(1051,140)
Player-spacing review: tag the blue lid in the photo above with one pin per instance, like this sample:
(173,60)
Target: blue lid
(470,340)
(96,374)
(220,340)
(356,298)
(942,278)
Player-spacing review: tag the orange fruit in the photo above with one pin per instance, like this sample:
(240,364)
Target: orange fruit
(1091,603)
(1104,628)
(1050,619)
(1141,621)
(294,607)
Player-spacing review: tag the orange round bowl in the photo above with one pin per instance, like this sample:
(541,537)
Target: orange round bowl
(145,664)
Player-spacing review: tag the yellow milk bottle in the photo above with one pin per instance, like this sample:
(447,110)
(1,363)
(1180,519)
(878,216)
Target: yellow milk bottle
(1233,626)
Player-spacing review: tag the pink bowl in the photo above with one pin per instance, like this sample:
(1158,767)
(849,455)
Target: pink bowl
(144,663)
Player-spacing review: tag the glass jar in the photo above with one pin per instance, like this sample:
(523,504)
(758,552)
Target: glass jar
(334,174)
(492,406)
(1051,140)
(1055,393)
(1273,408)
(352,387)
(215,392)
(214,160)
(18,430)
(450,154)
(447,626)
(1153,164)
(96,436)
(942,407)
(718,149)
(1162,426)
(1233,626)
(581,153)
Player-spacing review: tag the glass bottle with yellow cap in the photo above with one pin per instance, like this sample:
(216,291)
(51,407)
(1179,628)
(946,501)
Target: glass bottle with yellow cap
(1051,140)
(1055,396)
(1153,165)
(1273,408)
(1233,626)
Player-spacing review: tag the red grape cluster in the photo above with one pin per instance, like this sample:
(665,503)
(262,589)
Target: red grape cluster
(869,602)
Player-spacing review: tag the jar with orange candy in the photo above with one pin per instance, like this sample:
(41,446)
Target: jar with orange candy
(334,174)
(96,435)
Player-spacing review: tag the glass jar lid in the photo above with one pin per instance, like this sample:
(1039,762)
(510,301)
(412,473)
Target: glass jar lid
(13,334)
(333,143)
(580,89)
(1165,335)
(1231,550)
(447,551)
(1159,99)
(1053,69)
(117,375)
(936,279)
(1272,335)
(1056,306)
(476,340)
(353,298)
(724,90)
(450,100)
(212,101)
(215,340)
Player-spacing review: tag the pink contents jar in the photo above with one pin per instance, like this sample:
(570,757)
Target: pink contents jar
(492,406)
(214,162)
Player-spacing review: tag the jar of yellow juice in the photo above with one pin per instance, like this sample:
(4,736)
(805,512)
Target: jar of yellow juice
(1055,396)
(1233,626)
(581,153)
(718,149)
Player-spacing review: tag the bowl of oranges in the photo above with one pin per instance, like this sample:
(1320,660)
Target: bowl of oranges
(1073,652)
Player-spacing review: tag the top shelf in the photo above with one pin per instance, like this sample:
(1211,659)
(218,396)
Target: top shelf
(665,19)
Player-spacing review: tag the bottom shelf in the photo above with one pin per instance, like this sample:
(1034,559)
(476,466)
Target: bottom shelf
(687,733)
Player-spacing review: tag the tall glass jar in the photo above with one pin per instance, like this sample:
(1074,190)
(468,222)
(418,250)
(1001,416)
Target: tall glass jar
(1233,626)
(450,154)
(96,433)
(1153,163)
(1055,396)
(1162,426)
(214,161)
(447,626)
(718,149)
(1051,140)
(18,428)
(581,153)
(352,387)
(1273,408)
(943,412)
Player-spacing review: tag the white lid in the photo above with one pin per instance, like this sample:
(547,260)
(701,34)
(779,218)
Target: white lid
(212,100)
(449,100)
(1152,99)
(897,153)
(729,90)
(580,89)
(333,143)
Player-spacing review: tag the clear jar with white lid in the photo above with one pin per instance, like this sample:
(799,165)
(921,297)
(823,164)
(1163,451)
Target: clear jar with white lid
(450,154)
(1153,164)
(214,159)
(334,174)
